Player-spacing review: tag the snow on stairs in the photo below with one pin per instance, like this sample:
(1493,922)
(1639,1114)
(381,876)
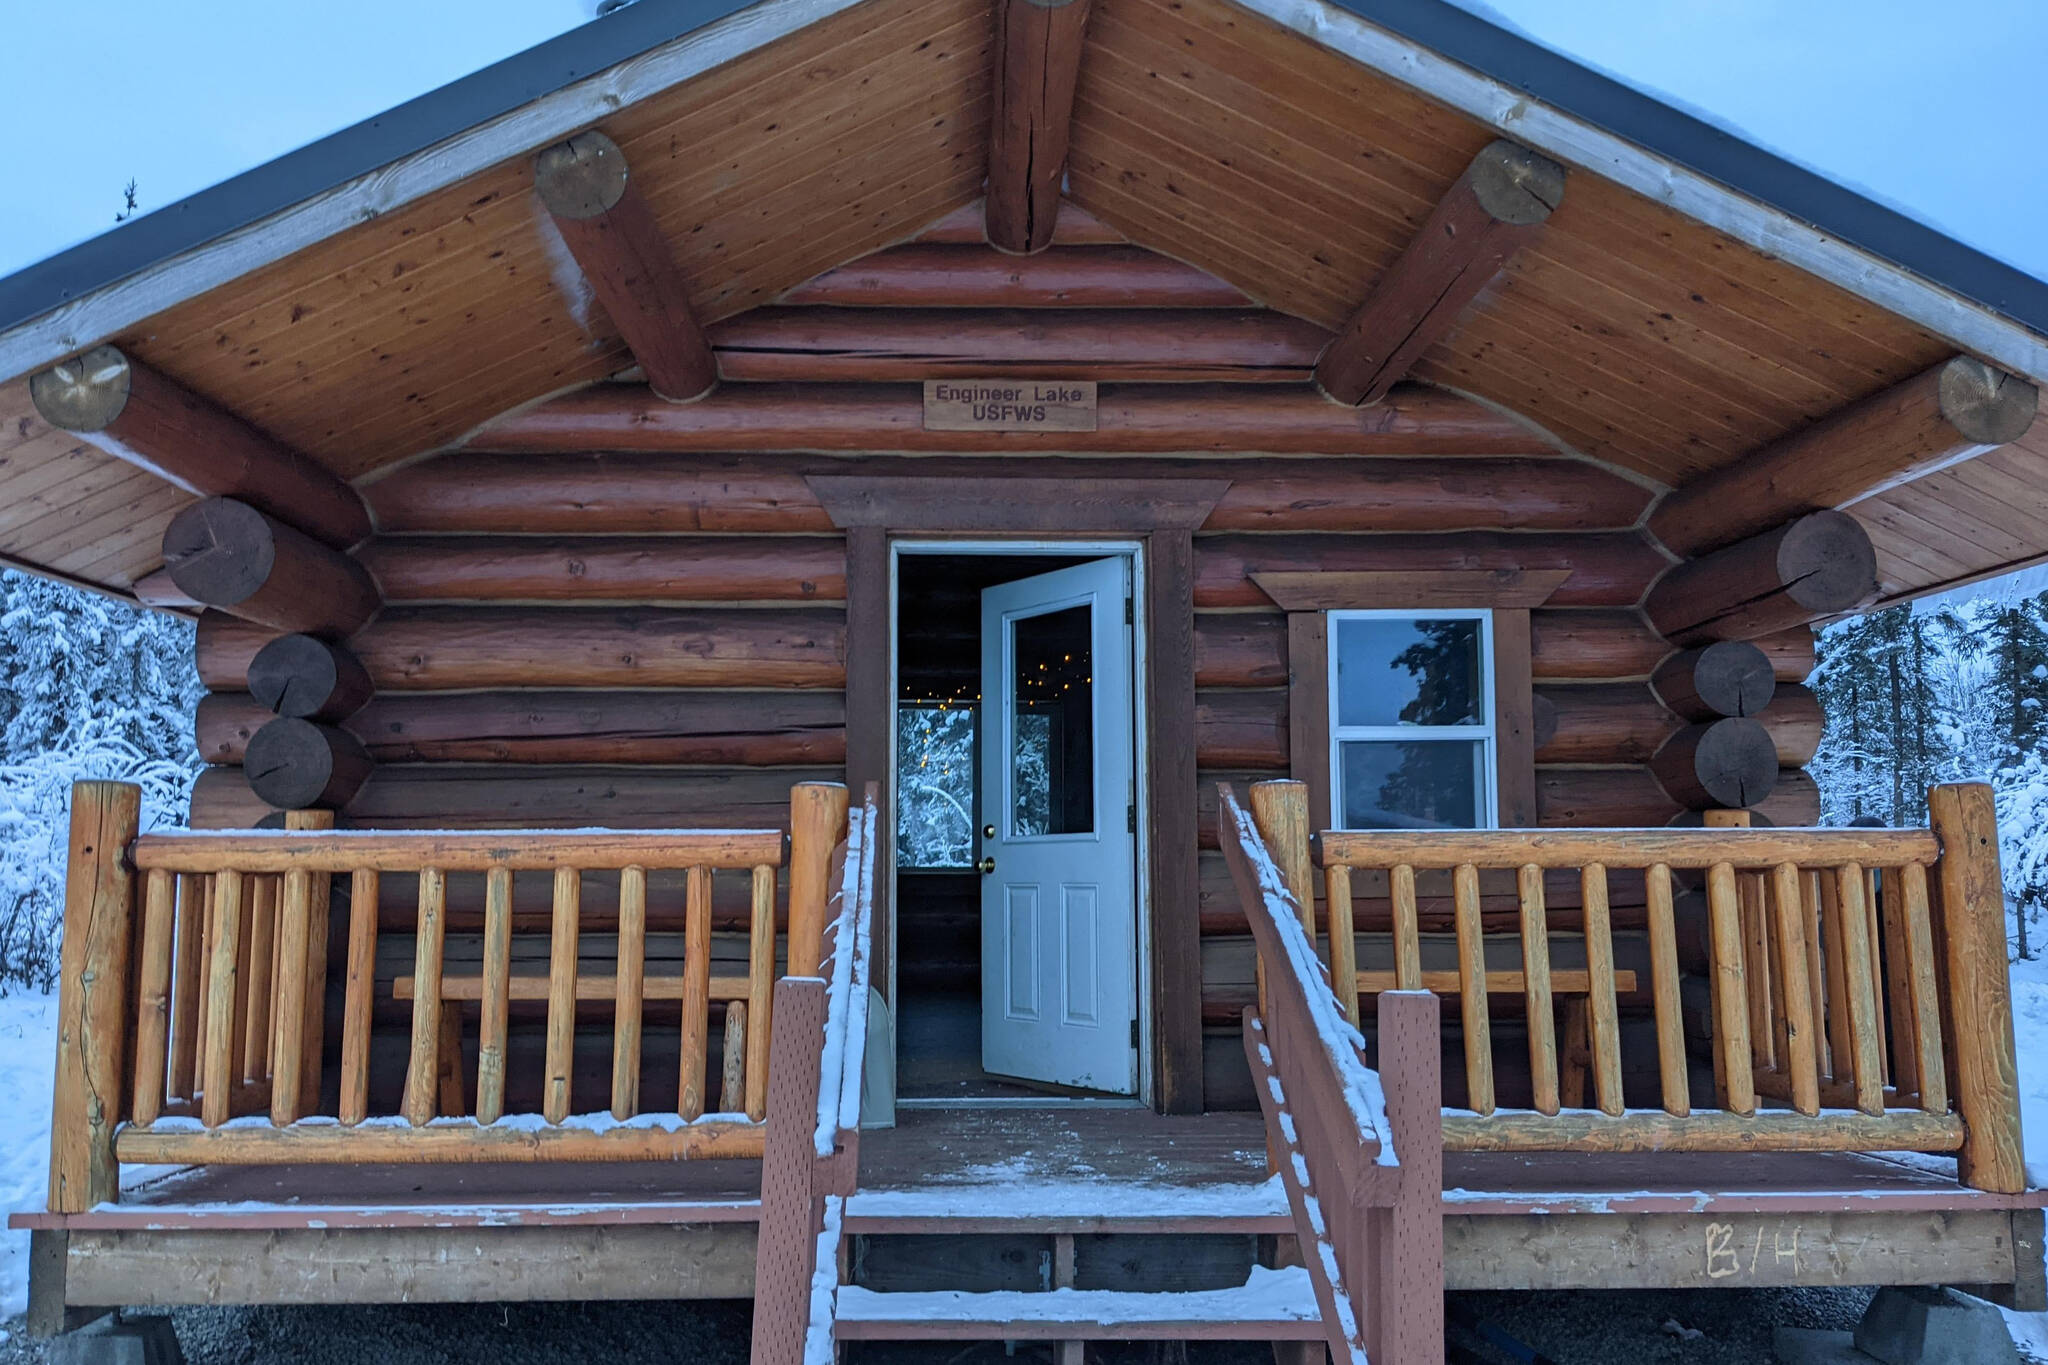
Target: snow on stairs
(1071,1260)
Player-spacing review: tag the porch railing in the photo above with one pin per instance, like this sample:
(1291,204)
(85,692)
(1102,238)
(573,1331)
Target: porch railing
(1360,1152)
(1856,994)
(209,951)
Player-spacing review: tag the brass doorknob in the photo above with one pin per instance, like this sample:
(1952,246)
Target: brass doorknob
(987,865)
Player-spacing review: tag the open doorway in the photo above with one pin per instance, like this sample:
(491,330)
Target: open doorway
(1017,922)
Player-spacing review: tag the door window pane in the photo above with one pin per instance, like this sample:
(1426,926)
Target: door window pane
(1406,784)
(935,786)
(1052,724)
(1408,671)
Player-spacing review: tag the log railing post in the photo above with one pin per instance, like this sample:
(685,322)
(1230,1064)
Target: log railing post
(785,1258)
(1965,822)
(92,995)
(817,821)
(1405,1317)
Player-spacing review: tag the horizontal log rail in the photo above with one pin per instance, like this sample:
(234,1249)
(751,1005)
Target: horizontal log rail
(229,983)
(1855,990)
(1362,1162)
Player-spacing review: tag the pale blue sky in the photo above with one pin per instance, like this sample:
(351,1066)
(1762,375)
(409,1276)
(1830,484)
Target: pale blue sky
(1924,104)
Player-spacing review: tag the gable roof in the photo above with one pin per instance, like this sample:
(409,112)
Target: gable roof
(385,290)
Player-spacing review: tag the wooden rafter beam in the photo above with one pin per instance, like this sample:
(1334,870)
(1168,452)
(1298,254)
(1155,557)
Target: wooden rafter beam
(1037,62)
(1494,209)
(611,230)
(1958,409)
(1806,570)
(155,423)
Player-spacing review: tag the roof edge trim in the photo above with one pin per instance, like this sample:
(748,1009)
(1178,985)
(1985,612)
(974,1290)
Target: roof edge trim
(1658,176)
(533,123)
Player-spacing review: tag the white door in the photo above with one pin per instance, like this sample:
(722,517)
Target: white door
(1059,810)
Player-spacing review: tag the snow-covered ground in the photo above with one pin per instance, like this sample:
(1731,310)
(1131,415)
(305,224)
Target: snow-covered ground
(28,1050)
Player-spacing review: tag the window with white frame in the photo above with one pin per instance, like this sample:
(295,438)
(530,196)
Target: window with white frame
(1412,719)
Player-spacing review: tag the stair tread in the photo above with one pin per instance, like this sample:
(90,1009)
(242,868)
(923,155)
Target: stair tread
(1271,1300)
(1091,1202)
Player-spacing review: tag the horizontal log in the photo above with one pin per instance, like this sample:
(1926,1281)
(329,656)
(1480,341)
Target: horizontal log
(975,275)
(1601,797)
(429,649)
(608,568)
(1216,345)
(240,560)
(295,764)
(1240,649)
(1643,845)
(1794,801)
(647,493)
(299,675)
(1165,418)
(1236,729)
(1602,723)
(159,591)
(1795,722)
(1939,417)
(744,729)
(1768,1131)
(1811,568)
(1725,764)
(1727,678)
(157,424)
(446,1142)
(487,796)
(1607,569)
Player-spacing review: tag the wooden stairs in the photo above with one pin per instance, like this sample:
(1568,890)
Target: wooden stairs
(1071,1263)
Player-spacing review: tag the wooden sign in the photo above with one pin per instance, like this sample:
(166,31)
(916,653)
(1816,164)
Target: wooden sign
(1009,405)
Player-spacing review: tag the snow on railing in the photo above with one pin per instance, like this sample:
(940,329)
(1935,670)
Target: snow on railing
(844,1056)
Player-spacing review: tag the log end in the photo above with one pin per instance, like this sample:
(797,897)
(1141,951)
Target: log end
(1984,403)
(1728,764)
(308,678)
(1827,562)
(1515,185)
(219,551)
(1727,678)
(582,177)
(85,393)
(295,764)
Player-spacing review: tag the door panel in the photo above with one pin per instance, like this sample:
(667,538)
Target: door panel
(1058,796)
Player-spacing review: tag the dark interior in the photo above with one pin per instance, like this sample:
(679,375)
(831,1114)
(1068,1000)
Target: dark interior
(938,911)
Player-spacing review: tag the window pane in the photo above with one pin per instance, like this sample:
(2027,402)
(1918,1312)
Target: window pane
(1398,784)
(1393,671)
(1052,729)
(935,787)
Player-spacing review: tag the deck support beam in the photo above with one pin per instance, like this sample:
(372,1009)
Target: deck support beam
(1494,209)
(1038,60)
(155,423)
(610,229)
(1960,408)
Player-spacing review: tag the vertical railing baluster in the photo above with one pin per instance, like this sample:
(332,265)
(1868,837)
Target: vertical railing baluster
(313,1031)
(294,930)
(1787,901)
(1673,1080)
(1602,1011)
(495,1015)
(696,991)
(1816,968)
(1407,928)
(1344,939)
(422,1072)
(1840,1057)
(209,919)
(359,992)
(221,995)
(564,947)
(191,942)
(1898,983)
(1756,971)
(1851,888)
(1536,989)
(1731,998)
(631,977)
(1930,1066)
(263,945)
(239,1025)
(732,1060)
(1874,936)
(760,989)
(153,1006)
(1472,1003)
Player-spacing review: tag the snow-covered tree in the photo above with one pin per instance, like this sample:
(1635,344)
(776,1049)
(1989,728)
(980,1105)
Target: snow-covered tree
(89,688)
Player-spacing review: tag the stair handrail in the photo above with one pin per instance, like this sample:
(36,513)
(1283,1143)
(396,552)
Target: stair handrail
(1358,1151)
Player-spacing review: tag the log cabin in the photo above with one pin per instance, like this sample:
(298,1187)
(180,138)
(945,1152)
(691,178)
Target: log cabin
(863,651)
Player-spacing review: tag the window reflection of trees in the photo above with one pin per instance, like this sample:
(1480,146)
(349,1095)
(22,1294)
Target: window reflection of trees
(935,767)
(1434,786)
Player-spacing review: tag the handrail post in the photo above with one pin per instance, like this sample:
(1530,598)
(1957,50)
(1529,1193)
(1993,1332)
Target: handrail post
(1280,810)
(93,1008)
(1964,818)
(1405,1320)
(787,1251)
(817,822)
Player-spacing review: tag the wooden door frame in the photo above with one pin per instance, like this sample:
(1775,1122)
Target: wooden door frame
(1161,516)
